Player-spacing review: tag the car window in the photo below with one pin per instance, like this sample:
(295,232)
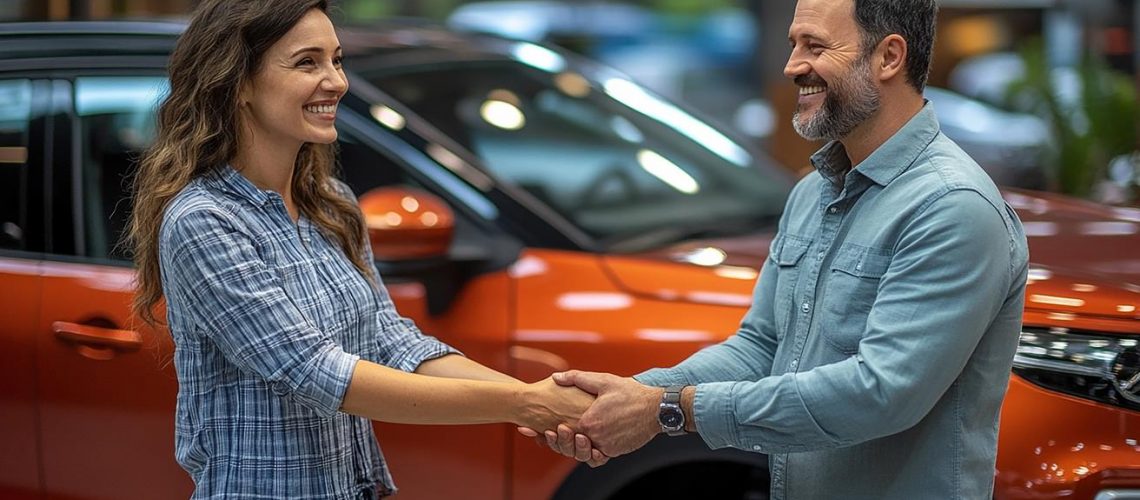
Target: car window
(611,157)
(364,168)
(15,172)
(116,123)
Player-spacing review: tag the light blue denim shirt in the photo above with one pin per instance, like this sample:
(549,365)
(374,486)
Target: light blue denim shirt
(269,319)
(877,351)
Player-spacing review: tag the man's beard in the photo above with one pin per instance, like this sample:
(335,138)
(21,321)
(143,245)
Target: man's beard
(849,101)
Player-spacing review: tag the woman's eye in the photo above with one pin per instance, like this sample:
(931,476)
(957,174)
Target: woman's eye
(305,62)
(338,61)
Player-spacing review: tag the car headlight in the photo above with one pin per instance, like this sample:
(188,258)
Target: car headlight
(1104,368)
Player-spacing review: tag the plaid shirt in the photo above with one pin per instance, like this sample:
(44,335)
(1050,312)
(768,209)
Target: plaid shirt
(269,318)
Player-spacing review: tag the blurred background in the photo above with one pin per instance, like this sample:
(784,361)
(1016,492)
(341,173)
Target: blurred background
(1042,93)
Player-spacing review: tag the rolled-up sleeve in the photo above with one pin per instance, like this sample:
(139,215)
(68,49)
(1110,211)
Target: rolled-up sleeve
(951,272)
(217,275)
(402,345)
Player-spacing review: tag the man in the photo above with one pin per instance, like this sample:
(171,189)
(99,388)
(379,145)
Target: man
(875,356)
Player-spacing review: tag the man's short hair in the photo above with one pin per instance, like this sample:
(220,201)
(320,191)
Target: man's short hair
(911,19)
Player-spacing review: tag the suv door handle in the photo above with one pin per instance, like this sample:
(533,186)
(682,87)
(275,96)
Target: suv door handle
(121,340)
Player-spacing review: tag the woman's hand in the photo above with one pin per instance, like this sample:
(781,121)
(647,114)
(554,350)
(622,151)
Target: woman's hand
(546,404)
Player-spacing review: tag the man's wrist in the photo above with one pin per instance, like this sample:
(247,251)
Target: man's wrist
(687,396)
(657,394)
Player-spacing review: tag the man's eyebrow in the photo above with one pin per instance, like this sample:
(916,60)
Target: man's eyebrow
(809,36)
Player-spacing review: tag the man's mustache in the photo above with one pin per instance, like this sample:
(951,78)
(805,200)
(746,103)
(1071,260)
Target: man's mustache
(810,80)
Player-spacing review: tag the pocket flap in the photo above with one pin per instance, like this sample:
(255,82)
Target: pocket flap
(862,263)
(791,250)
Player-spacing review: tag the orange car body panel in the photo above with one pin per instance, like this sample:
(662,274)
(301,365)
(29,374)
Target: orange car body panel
(19,449)
(71,405)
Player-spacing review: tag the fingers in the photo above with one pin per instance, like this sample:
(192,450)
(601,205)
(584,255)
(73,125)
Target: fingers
(597,459)
(528,432)
(566,443)
(582,448)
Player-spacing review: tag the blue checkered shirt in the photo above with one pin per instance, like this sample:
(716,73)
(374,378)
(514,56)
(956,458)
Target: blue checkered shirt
(269,318)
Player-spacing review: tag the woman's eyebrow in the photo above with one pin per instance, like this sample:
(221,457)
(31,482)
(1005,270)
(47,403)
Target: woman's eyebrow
(312,49)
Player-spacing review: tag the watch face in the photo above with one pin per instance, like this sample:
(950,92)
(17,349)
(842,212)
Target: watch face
(671,418)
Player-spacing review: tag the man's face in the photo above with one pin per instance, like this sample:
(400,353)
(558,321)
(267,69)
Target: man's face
(837,89)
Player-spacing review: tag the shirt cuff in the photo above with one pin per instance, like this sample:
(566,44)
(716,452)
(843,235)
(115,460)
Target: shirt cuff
(332,373)
(714,413)
(427,348)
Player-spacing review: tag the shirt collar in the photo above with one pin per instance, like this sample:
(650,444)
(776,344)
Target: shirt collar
(231,181)
(888,161)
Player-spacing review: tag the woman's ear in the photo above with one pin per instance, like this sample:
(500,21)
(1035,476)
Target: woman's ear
(243,94)
(892,60)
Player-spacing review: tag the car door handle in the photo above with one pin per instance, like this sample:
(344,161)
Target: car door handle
(120,340)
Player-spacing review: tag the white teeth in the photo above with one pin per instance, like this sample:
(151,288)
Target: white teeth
(323,108)
(811,90)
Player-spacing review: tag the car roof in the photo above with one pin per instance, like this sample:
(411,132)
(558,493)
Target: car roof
(71,38)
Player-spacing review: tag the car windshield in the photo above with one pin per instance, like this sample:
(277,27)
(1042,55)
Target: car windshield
(627,167)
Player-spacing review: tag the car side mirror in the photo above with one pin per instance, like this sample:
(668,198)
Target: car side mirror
(407,224)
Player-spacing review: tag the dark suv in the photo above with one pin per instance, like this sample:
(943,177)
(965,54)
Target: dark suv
(537,211)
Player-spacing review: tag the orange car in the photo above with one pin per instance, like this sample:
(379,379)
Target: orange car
(537,211)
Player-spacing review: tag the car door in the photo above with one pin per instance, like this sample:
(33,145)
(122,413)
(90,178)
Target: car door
(21,248)
(106,383)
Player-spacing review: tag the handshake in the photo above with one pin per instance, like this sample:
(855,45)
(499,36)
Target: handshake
(590,417)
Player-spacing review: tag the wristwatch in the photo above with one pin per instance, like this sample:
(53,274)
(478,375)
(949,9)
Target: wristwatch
(670,416)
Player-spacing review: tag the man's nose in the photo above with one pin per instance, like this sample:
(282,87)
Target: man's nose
(795,66)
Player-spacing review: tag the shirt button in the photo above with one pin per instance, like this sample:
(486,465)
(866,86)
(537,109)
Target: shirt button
(795,362)
(756,447)
(833,210)
(805,307)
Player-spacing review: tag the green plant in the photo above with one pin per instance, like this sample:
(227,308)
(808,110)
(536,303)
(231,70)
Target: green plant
(1089,128)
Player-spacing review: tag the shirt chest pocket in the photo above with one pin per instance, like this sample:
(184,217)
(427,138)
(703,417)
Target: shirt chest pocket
(320,300)
(852,285)
(789,259)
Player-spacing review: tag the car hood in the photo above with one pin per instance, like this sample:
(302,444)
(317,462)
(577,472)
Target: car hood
(1080,236)
(1083,261)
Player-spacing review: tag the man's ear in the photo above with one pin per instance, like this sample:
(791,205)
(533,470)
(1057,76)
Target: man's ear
(892,57)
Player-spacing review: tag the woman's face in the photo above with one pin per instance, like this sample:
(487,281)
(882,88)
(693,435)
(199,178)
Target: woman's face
(293,97)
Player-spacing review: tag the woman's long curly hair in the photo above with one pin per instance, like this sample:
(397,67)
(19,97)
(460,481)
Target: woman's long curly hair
(197,132)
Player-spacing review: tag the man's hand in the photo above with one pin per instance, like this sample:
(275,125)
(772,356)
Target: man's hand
(622,419)
(565,442)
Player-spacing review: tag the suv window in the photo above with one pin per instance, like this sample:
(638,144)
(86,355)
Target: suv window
(15,172)
(116,123)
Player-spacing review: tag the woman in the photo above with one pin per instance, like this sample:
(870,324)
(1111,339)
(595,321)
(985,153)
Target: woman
(286,341)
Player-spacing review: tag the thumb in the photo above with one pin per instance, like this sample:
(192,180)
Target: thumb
(591,382)
(527,431)
(565,378)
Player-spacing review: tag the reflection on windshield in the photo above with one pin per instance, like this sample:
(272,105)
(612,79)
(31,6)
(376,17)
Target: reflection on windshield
(621,164)
(639,99)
